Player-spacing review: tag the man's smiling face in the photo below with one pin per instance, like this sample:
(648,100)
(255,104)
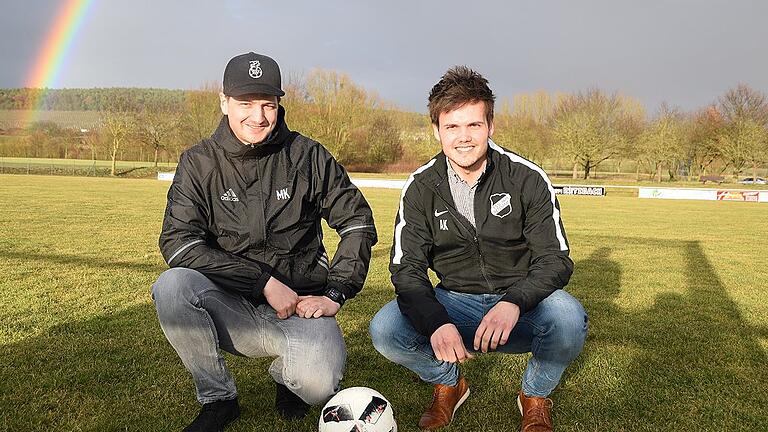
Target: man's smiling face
(252,117)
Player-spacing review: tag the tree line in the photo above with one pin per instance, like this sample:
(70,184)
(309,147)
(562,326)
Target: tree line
(588,128)
(93,99)
(357,126)
(583,130)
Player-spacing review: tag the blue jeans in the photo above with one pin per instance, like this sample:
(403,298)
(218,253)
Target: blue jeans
(554,332)
(200,318)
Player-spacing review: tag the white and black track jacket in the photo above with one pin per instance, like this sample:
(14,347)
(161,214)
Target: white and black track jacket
(518,249)
(240,214)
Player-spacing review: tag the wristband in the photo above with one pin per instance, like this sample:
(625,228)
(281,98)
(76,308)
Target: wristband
(335,295)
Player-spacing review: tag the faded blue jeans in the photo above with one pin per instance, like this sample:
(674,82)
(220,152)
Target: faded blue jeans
(554,332)
(200,318)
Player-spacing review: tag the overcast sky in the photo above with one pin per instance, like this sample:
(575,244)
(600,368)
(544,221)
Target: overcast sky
(683,52)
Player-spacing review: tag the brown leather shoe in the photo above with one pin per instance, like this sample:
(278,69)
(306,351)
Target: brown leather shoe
(535,411)
(445,401)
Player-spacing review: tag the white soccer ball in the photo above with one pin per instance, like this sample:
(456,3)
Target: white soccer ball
(357,409)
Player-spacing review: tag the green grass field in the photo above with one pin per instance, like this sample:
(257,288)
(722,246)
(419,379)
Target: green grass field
(676,292)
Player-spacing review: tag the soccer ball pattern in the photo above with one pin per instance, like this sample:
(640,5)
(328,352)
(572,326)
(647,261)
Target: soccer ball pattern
(357,409)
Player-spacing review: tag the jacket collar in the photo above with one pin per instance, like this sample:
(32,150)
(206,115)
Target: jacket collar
(437,175)
(224,137)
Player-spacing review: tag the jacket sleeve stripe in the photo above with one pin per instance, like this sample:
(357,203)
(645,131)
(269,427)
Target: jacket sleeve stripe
(183,248)
(322,264)
(555,211)
(401,218)
(352,228)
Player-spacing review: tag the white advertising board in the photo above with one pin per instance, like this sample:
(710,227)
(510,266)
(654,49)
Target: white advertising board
(579,190)
(165,176)
(378,183)
(669,193)
(704,194)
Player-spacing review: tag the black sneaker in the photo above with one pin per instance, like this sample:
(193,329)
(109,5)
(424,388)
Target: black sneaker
(288,405)
(214,416)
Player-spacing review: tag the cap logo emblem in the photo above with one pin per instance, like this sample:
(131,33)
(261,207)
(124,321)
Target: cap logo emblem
(255,70)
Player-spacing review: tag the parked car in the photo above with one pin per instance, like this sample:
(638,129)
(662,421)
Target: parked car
(750,180)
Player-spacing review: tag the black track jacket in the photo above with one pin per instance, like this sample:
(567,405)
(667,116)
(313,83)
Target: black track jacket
(519,248)
(239,214)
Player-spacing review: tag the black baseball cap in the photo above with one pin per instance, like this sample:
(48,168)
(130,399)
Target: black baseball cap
(252,73)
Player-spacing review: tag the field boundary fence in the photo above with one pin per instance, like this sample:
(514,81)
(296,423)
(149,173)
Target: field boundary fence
(76,167)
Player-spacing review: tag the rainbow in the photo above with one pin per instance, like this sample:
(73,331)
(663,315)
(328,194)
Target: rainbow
(53,55)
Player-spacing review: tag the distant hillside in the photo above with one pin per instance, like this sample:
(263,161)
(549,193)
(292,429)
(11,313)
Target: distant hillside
(94,99)
(17,119)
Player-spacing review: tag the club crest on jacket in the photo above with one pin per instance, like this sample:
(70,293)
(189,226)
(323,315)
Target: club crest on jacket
(501,204)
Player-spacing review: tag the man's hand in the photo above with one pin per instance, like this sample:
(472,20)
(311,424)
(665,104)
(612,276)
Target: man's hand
(496,326)
(316,306)
(282,299)
(447,344)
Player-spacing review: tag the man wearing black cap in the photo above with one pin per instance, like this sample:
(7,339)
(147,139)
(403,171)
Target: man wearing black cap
(249,273)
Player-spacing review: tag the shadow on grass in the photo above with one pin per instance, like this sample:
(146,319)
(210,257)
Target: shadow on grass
(118,372)
(86,261)
(106,373)
(687,362)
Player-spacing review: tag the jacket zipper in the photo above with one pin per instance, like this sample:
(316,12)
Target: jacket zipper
(482,264)
(477,243)
(474,237)
(263,204)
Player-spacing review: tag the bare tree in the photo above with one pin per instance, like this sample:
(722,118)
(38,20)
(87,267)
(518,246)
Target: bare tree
(118,124)
(701,142)
(743,102)
(538,106)
(589,128)
(630,128)
(91,140)
(662,142)
(523,134)
(156,125)
(744,142)
(339,104)
(201,114)
(742,139)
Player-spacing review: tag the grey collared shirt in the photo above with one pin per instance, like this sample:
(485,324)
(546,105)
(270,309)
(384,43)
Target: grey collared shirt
(463,194)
